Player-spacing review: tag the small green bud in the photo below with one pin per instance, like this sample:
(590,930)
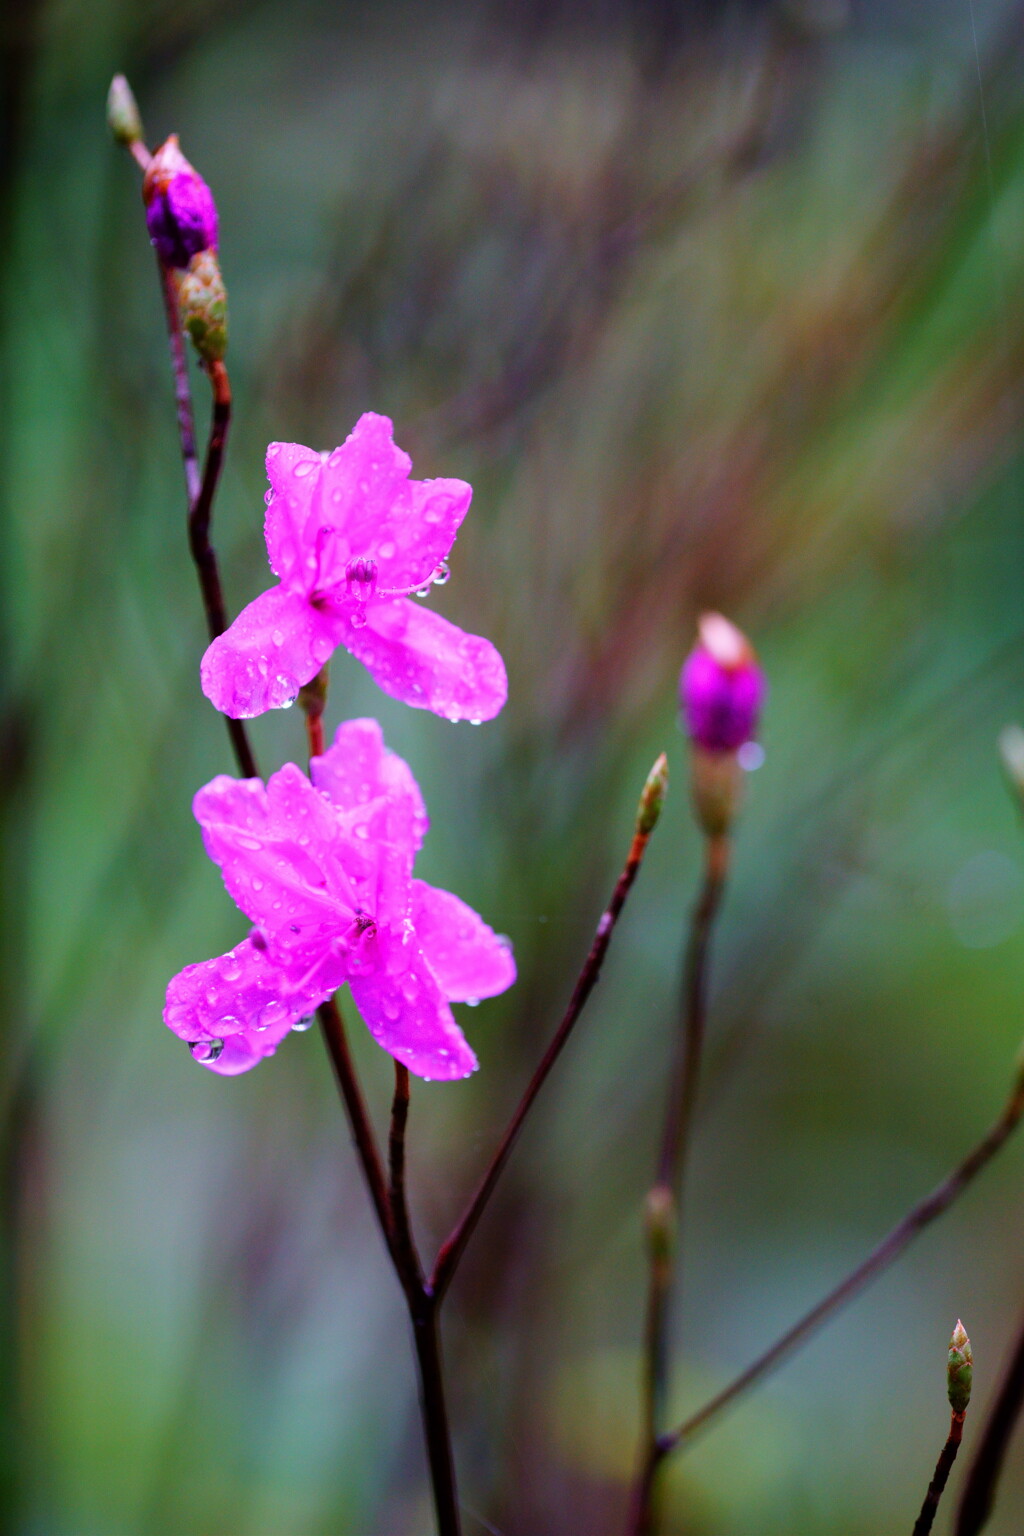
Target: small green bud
(203,304)
(313,696)
(960,1369)
(652,798)
(660,1222)
(123,112)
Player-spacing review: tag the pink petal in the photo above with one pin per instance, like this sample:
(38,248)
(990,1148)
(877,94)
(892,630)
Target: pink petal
(276,644)
(240,1006)
(357,768)
(294,475)
(284,858)
(415,655)
(405,1013)
(467,958)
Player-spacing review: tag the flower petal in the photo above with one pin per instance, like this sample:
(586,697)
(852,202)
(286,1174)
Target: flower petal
(294,474)
(405,1013)
(284,858)
(357,768)
(276,644)
(467,958)
(239,1005)
(415,655)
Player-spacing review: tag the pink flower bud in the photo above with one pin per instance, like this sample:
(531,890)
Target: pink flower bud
(181,215)
(721,687)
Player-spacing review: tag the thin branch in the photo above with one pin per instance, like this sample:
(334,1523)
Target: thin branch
(665,1199)
(332,1028)
(454,1246)
(936,1487)
(182,388)
(411,1273)
(889,1249)
(978,1498)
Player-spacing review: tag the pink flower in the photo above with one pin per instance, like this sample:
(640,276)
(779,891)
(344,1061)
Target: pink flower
(324,871)
(721,687)
(351,537)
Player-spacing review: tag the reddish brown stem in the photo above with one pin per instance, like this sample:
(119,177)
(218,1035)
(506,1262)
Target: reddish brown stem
(454,1246)
(410,1273)
(979,1493)
(889,1249)
(936,1487)
(665,1199)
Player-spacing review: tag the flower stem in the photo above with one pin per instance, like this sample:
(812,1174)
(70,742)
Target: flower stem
(454,1246)
(411,1273)
(434,1412)
(947,1456)
(979,1493)
(665,1198)
(888,1250)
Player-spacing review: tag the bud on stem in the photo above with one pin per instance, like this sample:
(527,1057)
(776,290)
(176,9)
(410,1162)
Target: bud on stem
(203,306)
(959,1369)
(652,798)
(123,112)
(721,689)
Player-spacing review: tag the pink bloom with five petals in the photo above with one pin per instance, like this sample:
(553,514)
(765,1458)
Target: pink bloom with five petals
(324,871)
(351,538)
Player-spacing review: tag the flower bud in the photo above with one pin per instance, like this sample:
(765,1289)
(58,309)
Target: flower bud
(181,215)
(960,1369)
(721,688)
(203,305)
(123,112)
(652,798)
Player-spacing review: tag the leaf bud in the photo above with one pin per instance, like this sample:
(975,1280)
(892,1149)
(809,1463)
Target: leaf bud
(652,797)
(181,215)
(960,1369)
(203,306)
(123,112)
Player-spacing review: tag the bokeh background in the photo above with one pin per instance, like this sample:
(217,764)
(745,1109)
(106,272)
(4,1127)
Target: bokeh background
(715,305)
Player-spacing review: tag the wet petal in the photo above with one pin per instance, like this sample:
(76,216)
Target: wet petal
(357,768)
(294,474)
(405,1013)
(467,958)
(276,644)
(283,856)
(415,655)
(235,1009)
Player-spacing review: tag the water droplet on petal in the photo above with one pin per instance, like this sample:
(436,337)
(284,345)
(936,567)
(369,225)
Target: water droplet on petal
(306,1022)
(472,1002)
(271,1013)
(387,551)
(357,618)
(442,574)
(205,1050)
(304,468)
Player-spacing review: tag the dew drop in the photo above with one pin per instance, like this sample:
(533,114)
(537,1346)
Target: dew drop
(357,618)
(442,574)
(277,637)
(205,1050)
(271,1013)
(306,1022)
(423,591)
(305,468)
(472,1002)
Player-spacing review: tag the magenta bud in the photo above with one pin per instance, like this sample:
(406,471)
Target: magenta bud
(181,215)
(721,687)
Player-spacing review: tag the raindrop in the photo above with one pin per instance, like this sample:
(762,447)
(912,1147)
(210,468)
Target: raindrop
(305,468)
(357,618)
(228,1024)
(423,591)
(272,1013)
(277,637)
(442,574)
(475,722)
(205,1050)
(306,1022)
(472,1002)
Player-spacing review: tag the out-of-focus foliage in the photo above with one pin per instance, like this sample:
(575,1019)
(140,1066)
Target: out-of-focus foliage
(714,305)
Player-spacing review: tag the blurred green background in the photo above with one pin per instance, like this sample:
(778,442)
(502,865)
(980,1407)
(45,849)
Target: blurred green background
(715,305)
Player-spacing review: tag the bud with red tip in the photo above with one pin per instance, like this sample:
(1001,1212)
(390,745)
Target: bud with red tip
(721,690)
(180,212)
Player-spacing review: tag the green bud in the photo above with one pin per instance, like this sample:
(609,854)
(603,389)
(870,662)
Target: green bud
(660,1222)
(123,112)
(653,798)
(313,696)
(203,304)
(960,1369)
